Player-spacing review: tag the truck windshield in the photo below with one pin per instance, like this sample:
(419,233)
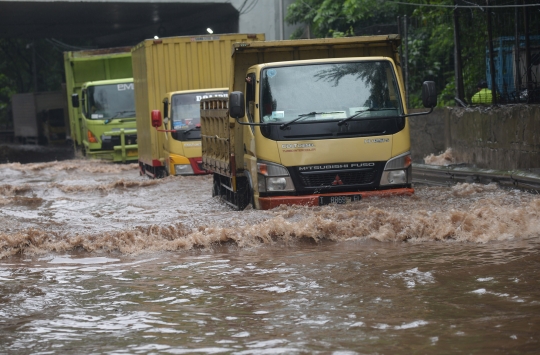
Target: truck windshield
(186,108)
(111,101)
(329,91)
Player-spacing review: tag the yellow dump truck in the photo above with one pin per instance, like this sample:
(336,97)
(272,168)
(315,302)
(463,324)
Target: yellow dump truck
(171,76)
(311,122)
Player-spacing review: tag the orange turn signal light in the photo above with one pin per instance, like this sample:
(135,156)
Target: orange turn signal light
(263,168)
(408,161)
(91,137)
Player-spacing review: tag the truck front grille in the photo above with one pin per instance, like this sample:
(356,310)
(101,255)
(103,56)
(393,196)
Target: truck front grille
(338,178)
(109,142)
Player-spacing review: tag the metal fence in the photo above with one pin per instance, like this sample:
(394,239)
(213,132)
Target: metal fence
(497,41)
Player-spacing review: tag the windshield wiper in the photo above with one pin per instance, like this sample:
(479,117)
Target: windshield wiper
(358,113)
(189,129)
(286,124)
(196,127)
(119,113)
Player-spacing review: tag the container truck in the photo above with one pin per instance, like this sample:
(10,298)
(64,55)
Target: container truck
(40,117)
(101,103)
(311,122)
(171,76)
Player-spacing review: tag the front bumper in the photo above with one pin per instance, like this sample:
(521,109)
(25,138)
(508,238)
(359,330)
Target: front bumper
(194,163)
(129,153)
(267,203)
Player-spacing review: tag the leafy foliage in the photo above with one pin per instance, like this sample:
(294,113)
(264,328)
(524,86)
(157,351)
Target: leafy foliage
(17,71)
(18,58)
(331,18)
(430,37)
(17,64)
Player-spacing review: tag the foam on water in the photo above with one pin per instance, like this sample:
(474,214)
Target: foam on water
(445,158)
(131,214)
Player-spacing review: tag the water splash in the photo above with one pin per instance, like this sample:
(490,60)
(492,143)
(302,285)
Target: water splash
(443,159)
(132,214)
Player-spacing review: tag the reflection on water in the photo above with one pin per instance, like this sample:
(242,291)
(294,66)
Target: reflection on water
(96,259)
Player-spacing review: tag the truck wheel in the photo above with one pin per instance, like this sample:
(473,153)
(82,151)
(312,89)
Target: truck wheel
(250,197)
(141,169)
(216,186)
(160,173)
(83,152)
(244,195)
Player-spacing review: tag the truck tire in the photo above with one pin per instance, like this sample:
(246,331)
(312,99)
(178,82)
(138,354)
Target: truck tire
(216,186)
(244,194)
(142,171)
(161,173)
(82,151)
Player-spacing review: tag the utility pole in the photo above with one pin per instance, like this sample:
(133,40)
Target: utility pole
(491,62)
(34,66)
(458,67)
(400,36)
(406,40)
(517,45)
(527,52)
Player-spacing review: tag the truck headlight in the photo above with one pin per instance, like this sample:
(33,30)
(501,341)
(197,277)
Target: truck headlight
(397,171)
(183,169)
(273,177)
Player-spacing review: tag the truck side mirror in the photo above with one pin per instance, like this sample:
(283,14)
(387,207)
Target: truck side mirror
(156,118)
(237,109)
(429,94)
(75,100)
(165,107)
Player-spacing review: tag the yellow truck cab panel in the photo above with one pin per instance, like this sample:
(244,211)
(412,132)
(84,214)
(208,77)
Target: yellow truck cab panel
(181,144)
(320,151)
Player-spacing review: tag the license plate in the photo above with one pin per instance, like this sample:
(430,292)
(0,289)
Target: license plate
(131,152)
(340,200)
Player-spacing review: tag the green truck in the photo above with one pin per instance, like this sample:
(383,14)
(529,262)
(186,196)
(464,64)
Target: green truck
(101,103)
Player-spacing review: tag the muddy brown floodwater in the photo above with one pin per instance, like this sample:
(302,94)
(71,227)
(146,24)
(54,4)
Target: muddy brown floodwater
(95,259)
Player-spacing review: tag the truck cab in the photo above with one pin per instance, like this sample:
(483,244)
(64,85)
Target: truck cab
(330,128)
(108,119)
(325,126)
(182,122)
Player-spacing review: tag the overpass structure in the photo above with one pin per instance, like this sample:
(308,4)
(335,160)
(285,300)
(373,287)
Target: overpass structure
(127,22)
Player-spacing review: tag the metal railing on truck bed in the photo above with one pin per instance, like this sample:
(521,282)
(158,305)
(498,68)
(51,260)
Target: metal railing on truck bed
(217,142)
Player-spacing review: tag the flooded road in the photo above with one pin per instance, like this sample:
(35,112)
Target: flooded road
(97,260)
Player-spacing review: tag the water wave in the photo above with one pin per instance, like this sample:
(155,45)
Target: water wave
(14,190)
(90,166)
(465,213)
(119,184)
(443,159)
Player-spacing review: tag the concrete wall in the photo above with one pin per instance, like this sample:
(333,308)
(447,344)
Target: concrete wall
(427,134)
(505,138)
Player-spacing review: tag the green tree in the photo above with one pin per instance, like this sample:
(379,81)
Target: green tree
(431,56)
(430,36)
(331,18)
(19,59)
